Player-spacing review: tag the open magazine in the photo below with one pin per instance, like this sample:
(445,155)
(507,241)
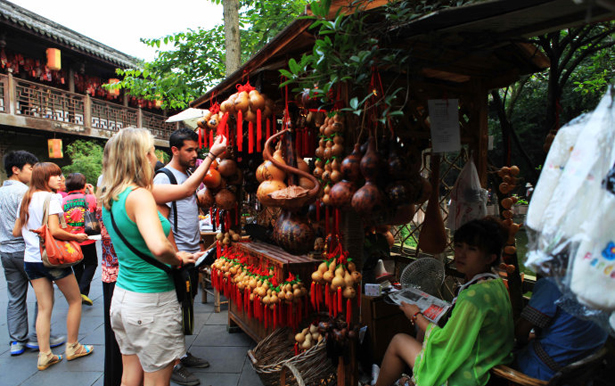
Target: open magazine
(431,307)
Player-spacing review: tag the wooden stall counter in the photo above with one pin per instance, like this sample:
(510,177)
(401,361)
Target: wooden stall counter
(383,321)
(265,256)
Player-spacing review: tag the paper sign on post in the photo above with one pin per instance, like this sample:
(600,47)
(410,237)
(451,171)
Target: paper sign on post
(444,120)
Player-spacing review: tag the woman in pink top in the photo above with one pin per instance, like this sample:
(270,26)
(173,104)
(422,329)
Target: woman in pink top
(75,204)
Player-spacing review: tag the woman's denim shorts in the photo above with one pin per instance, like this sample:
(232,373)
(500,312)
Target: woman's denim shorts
(38,270)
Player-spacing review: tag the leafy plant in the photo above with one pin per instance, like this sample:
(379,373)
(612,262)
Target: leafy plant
(352,49)
(86,157)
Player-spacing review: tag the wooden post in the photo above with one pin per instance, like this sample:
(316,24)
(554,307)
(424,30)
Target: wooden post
(480,128)
(139,117)
(12,102)
(87,112)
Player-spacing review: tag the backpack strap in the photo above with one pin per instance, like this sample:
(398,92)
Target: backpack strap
(46,213)
(173,181)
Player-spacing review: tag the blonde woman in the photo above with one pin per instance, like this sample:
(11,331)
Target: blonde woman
(46,180)
(145,314)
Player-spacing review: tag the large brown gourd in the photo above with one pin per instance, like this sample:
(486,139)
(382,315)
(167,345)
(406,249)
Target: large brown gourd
(433,235)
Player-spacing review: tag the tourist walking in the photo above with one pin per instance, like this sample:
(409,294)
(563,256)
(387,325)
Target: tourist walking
(46,179)
(18,166)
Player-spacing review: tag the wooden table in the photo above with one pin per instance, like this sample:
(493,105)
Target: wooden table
(266,255)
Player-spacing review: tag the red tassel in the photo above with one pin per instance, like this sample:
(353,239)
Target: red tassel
(259,130)
(296,349)
(239,130)
(274,314)
(348,312)
(289,315)
(318,296)
(265,317)
(333,308)
(312,294)
(251,137)
(327,296)
(340,307)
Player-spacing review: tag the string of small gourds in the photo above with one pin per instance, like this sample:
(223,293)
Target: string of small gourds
(258,292)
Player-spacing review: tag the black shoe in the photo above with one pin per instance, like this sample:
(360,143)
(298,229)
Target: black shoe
(191,361)
(182,376)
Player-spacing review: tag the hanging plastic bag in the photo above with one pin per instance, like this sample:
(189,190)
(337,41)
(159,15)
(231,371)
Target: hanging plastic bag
(567,191)
(468,198)
(570,225)
(592,271)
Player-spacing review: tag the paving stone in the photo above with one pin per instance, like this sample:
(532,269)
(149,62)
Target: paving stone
(216,335)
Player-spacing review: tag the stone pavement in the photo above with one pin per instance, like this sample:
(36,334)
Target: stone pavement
(225,352)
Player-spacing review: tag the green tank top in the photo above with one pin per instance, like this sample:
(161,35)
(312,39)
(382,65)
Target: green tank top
(135,274)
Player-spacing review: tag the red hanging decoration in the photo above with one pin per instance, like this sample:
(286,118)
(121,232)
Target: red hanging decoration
(259,130)
(239,131)
(312,294)
(251,137)
(327,220)
(348,311)
(340,299)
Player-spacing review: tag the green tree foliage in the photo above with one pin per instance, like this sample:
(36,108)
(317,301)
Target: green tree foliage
(349,46)
(580,71)
(196,59)
(86,159)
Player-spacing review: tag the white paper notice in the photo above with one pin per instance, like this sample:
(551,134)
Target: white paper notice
(444,119)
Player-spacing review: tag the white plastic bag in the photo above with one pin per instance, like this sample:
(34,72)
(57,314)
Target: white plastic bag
(468,198)
(572,214)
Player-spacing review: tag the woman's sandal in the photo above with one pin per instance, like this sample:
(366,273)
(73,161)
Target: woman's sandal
(46,360)
(77,350)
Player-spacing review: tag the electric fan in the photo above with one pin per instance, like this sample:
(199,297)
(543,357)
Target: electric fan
(426,274)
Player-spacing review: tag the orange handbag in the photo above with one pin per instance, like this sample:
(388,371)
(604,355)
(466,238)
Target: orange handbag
(56,253)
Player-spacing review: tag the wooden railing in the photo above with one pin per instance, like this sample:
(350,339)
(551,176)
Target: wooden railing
(72,112)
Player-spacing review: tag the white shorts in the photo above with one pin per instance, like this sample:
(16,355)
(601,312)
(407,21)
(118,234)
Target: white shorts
(148,325)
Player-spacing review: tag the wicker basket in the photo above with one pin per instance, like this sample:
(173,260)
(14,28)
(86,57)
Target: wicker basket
(276,350)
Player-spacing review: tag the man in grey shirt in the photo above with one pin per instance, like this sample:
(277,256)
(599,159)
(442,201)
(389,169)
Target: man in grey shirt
(18,166)
(185,231)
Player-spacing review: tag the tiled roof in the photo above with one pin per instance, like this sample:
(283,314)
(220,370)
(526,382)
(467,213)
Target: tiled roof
(22,18)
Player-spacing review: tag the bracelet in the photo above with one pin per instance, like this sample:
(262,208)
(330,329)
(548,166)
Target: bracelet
(180,265)
(213,157)
(413,318)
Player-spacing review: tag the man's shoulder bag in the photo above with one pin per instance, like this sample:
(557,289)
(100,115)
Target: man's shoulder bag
(56,253)
(181,279)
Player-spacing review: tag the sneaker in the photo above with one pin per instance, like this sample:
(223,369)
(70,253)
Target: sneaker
(85,300)
(190,360)
(54,341)
(17,348)
(182,376)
